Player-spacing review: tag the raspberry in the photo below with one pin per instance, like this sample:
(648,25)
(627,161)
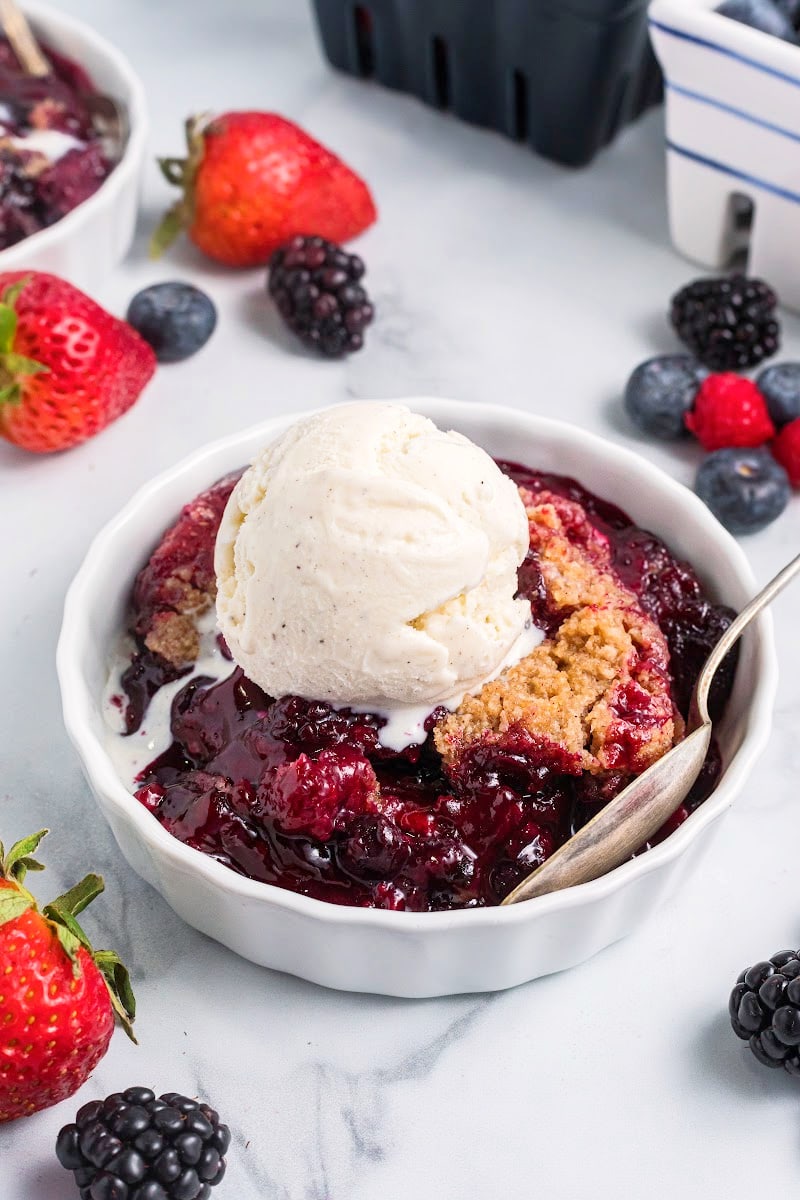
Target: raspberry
(786,449)
(729,411)
(314,796)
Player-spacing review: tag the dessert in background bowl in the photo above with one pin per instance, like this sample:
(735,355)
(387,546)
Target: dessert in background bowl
(65,207)
(52,156)
(404,952)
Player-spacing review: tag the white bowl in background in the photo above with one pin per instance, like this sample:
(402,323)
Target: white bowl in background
(87,243)
(733,130)
(400,953)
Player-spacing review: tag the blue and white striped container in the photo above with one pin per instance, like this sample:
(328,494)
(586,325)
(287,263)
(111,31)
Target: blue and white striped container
(733,130)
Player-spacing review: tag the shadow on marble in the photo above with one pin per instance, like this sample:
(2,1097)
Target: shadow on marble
(654,328)
(258,313)
(182,256)
(14,460)
(720,1060)
(43,1179)
(683,451)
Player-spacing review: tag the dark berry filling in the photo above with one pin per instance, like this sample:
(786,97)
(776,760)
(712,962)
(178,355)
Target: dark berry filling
(294,793)
(36,190)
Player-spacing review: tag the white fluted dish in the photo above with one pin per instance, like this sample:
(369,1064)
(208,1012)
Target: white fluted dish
(87,243)
(397,953)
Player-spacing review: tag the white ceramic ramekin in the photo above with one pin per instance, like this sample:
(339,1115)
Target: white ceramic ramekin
(733,130)
(86,244)
(410,954)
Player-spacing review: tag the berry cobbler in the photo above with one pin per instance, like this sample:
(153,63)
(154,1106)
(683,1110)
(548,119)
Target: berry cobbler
(51,156)
(596,634)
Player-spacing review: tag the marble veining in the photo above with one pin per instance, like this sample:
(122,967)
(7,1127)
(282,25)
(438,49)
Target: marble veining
(496,276)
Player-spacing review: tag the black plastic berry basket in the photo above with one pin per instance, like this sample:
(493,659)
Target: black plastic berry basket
(562,75)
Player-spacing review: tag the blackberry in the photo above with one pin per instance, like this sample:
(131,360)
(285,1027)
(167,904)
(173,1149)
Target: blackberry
(729,324)
(315,284)
(132,1146)
(765,1010)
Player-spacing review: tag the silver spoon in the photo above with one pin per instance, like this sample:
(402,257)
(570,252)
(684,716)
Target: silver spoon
(108,117)
(627,821)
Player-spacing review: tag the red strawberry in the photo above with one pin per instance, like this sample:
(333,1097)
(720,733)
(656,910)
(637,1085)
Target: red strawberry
(68,368)
(58,996)
(252,181)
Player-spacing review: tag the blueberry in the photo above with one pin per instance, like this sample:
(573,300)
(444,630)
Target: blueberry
(175,318)
(745,489)
(661,391)
(780,387)
(760,14)
(791,8)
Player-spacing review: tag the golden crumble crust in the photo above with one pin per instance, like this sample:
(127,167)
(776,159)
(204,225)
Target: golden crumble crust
(599,688)
(173,631)
(177,585)
(174,636)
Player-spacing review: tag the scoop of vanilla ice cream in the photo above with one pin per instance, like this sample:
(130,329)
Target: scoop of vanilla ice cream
(367,558)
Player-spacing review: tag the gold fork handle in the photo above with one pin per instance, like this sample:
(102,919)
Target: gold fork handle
(23,43)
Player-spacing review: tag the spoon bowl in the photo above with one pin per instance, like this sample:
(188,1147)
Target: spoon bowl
(631,818)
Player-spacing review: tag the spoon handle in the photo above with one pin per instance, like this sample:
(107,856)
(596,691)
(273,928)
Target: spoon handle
(698,713)
(18,31)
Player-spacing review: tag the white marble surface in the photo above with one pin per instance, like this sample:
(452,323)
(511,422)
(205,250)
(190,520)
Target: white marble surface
(495,276)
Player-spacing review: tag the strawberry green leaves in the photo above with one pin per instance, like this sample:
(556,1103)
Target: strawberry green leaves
(18,861)
(13,367)
(61,915)
(13,904)
(119,987)
(181,173)
(16,899)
